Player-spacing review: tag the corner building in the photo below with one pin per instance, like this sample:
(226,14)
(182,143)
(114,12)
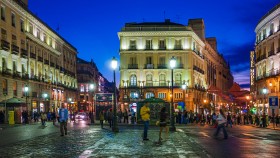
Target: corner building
(33,55)
(145,51)
(265,63)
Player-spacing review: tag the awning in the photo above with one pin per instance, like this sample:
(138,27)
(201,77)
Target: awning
(13,101)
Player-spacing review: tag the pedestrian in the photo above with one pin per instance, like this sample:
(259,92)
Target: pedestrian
(125,116)
(110,117)
(145,116)
(53,117)
(63,118)
(163,123)
(43,118)
(101,118)
(221,124)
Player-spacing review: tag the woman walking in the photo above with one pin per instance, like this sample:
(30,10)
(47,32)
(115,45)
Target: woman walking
(221,124)
(101,118)
(163,124)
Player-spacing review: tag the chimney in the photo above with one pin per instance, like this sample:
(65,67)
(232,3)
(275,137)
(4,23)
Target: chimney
(213,42)
(198,27)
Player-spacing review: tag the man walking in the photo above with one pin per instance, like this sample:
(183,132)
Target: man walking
(63,118)
(145,116)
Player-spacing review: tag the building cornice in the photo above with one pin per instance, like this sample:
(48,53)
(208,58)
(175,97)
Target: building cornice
(162,34)
(267,19)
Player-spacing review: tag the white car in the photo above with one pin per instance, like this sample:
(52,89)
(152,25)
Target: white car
(81,116)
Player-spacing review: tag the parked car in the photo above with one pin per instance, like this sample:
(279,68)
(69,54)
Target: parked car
(81,116)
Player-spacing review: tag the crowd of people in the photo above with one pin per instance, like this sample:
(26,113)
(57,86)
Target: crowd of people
(232,119)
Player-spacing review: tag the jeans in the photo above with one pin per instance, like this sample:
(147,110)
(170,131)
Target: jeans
(146,126)
(224,130)
(63,127)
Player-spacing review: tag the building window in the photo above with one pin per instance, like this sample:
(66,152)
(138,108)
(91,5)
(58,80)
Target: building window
(4,34)
(15,88)
(162,95)
(149,80)
(148,60)
(82,88)
(132,44)
(134,95)
(3,13)
(162,80)
(178,44)
(14,40)
(4,64)
(38,33)
(5,86)
(149,44)
(21,25)
(162,44)
(271,29)
(30,28)
(178,80)
(264,33)
(133,80)
(13,20)
(178,95)
(150,95)
(14,67)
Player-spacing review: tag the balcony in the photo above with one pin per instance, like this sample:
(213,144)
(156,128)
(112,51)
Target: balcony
(40,59)
(178,47)
(132,66)
(162,47)
(5,45)
(52,64)
(149,66)
(62,70)
(198,69)
(16,74)
(162,66)
(33,55)
(23,53)
(132,48)
(149,48)
(199,87)
(7,72)
(24,76)
(15,49)
(46,62)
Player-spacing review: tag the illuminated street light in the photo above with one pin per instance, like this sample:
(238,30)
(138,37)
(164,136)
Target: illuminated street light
(114,64)
(172,64)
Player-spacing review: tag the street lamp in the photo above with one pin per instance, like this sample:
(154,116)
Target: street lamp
(247,106)
(184,87)
(172,64)
(264,93)
(91,87)
(114,64)
(45,95)
(26,91)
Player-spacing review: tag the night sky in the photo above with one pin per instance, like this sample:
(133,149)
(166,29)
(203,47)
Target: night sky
(91,26)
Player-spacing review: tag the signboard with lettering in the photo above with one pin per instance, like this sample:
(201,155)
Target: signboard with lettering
(273,101)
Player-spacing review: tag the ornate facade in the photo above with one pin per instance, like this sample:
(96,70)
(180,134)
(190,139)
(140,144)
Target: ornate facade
(88,77)
(145,51)
(265,63)
(33,55)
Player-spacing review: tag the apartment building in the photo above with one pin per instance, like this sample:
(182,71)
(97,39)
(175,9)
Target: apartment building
(265,63)
(37,65)
(145,51)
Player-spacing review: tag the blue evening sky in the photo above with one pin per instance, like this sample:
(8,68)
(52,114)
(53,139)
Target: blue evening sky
(91,26)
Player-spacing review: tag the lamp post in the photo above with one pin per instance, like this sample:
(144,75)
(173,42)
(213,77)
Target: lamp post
(5,119)
(247,106)
(141,88)
(264,93)
(184,87)
(172,64)
(26,91)
(114,64)
(91,88)
(45,95)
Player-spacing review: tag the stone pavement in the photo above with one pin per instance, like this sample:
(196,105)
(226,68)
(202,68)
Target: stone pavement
(91,141)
